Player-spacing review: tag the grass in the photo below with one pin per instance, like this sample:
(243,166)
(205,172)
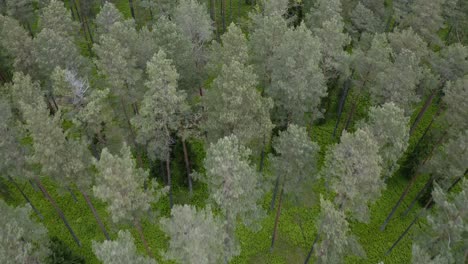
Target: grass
(297,224)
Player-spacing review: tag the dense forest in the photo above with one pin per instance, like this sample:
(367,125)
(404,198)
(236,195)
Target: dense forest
(233,131)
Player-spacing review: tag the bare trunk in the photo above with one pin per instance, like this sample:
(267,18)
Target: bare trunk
(420,193)
(72,195)
(133,135)
(212,10)
(402,197)
(26,197)
(132,10)
(58,210)
(169,181)
(142,237)
(187,166)
(346,87)
(230,10)
(278,213)
(96,215)
(223,14)
(262,155)
(422,112)
(351,114)
(309,255)
(419,215)
(275,192)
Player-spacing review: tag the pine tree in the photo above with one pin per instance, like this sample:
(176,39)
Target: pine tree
(325,21)
(335,240)
(389,127)
(456,114)
(298,83)
(451,62)
(22,10)
(120,251)
(274,7)
(234,187)
(107,17)
(398,82)
(426,19)
(233,47)
(294,165)
(353,169)
(55,16)
(195,23)
(17,44)
(22,240)
(233,106)
(189,226)
(266,34)
(162,111)
(444,237)
(179,48)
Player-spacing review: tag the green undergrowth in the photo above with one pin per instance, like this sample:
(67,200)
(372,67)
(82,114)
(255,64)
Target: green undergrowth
(297,223)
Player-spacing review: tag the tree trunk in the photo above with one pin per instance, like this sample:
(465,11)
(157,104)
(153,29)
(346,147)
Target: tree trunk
(419,215)
(423,110)
(72,195)
(132,10)
(223,14)
(420,193)
(351,114)
(26,197)
(133,135)
(278,212)
(275,192)
(230,11)
(346,87)
(169,181)
(262,155)
(142,237)
(58,210)
(91,38)
(239,4)
(212,10)
(311,249)
(187,166)
(402,197)
(34,186)
(409,185)
(95,213)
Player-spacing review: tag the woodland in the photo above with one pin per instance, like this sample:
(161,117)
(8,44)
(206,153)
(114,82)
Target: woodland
(233,131)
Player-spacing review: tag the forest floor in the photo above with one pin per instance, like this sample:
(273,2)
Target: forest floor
(297,222)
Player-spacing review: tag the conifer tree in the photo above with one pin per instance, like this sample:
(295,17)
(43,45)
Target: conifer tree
(294,165)
(353,169)
(22,240)
(233,47)
(426,19)
(389,126)
(298,83)
(325,21)
(233,106)
(451,62)
(397,83)
(120,184)
(334,237)
(195,23)
(120,251)
(55,16)
(456,112)
(266,34)
(162,111)
(444,239)
(22,10)
(234,186)
(107,17)
(189,226)
(17,44)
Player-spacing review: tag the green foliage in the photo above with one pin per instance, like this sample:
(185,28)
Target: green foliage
(195,236)
(120,184)
(120,251)
(60,253)
(22,240)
